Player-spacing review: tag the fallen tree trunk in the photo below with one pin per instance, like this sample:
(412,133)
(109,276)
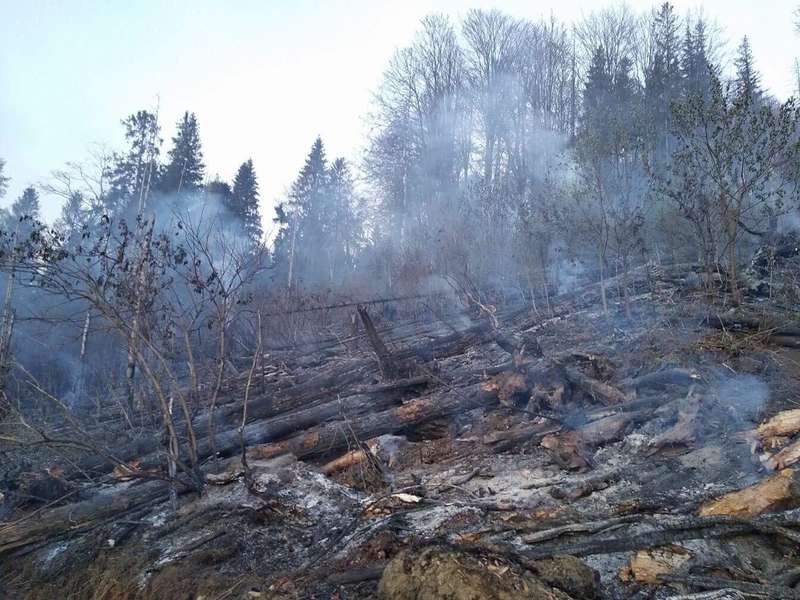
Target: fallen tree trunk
(786,422)
(760,590)
(780,491)
(263,430)
(669,530)
(229,442)
(268,404)
(786,457)
(108,504)
(600,391)
(742,322)
(665,377)
(336,436)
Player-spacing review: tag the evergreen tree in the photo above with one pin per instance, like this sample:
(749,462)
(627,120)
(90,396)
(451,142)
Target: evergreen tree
(184,170)
(134,172)
(307,203)
(625,105)
(27,205)
(696,67)
(25,213)
(747,81)
(345,228)
(220,189)
(282,246)
(662,78)
(3,179)
(74,216)
(597,102)
(244,201)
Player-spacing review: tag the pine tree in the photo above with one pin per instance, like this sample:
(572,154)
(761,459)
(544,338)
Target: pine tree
(597,101)
(184,170)
(625,104)
(282,246)
(25,213)
(3,179)
(747,82)
(662,78)
(221,190)
(27,205)
(244,201)
(135,171)
(344,226)
(306,230)
(308,203)
(74,216)
(696,67)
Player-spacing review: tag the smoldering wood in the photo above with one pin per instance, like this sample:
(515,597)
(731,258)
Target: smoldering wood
(329,410)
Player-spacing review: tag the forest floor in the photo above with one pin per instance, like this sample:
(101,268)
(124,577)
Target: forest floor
(581,454)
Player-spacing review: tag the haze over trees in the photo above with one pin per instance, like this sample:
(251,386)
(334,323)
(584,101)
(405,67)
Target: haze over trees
(506,158)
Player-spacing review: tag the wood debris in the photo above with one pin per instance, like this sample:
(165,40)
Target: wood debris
(506,387)
(776,492)
(646,566)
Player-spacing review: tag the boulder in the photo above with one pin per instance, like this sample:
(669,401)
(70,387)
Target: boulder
(442,572)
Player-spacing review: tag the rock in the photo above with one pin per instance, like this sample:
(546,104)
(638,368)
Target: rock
(444,573)
(569,574)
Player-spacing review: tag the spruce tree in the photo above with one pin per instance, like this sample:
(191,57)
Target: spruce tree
(25,213)
(747,82)
(282,246)
(597,101)
(662,79)
(73,216)
(307,230)
(696,66)
(344,226)
(3,178)
(244,201)
(184,170)
(27,205)
(221,190)
(134,173)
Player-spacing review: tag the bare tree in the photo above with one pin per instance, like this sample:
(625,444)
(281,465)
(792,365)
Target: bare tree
(726,174)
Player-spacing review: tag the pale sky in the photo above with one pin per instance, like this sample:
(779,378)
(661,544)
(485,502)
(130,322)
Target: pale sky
(264,77)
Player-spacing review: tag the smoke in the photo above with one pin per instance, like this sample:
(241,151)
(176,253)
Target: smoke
(742,398)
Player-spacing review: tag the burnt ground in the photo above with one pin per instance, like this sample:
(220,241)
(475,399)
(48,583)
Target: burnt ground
(547,464)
